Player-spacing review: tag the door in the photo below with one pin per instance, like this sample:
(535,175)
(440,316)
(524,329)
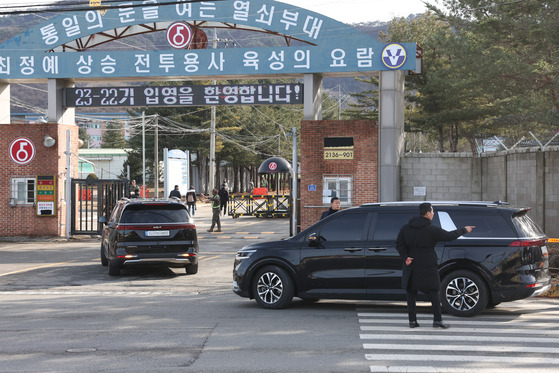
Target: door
(382,261)
(334,265)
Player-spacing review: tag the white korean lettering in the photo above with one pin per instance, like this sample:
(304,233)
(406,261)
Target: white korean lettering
(94,17)
(84,63)
(266,16)
(211,95)
(71,26)
(169,95)
(49,34)
(142,63)
(251,60)
(4,65)
(278,58)
(265,94)
(152,95)
(231,94)
(126,15)
(191,62)
(241,10)
(313,30)
(166,62)
(150,12)
(217,64)
(183,8)
(185,95)
(27,65)
(289,18)
(303,56)
(338,56)
(282,93)
(50,64)
(108,64)
(365,57)
(205,9)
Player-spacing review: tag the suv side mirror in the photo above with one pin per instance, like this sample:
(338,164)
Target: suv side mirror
(314,240)
(103,220)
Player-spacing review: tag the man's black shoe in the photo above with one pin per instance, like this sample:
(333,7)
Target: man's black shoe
(414,324)
(440,324)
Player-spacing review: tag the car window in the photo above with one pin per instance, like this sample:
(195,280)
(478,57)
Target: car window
(388,224)
(154,214)
(345,227)
(487,223)
(526,226)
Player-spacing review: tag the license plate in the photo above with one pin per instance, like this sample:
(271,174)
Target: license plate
(157,233)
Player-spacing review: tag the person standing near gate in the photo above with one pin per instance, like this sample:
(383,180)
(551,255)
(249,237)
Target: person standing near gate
(134,190)
(224,198)
(175,193)
(420,271)
(191,200)
(216,204)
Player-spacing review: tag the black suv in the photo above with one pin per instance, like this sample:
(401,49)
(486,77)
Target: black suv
(158,232)
(352,255)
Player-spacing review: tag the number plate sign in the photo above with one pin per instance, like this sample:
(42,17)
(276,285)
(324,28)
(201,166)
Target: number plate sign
(195,95)
(338,154)
(157,233)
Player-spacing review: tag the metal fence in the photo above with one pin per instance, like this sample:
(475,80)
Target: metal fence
(92,199)
(269,206)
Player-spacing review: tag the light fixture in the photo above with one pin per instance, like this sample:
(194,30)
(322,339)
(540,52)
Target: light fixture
(49,142)
(80,143)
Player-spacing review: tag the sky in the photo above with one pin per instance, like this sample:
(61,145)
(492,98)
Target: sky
(347,11)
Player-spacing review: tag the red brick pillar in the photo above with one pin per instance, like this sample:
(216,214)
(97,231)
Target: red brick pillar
(23,220)
(362,169)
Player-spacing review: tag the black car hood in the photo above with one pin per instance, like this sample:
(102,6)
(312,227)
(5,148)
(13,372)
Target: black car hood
(268,245)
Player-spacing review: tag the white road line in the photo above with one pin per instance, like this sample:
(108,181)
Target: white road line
(469,369)
(468,322)
(471,330)
(462,338)
(465,358)
(462,348)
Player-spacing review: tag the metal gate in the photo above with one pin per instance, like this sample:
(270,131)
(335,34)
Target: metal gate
(92,199)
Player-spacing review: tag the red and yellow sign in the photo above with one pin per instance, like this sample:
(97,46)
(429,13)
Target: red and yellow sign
(46,195)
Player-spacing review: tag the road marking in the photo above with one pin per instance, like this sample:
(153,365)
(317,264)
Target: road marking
(38,267)
(433,369)
(478,347)
(459,330)
(464,358)
(452,338)
(210,258)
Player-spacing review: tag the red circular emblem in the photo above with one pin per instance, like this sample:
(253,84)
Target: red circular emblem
(22,150)
(179,35)
(273,166)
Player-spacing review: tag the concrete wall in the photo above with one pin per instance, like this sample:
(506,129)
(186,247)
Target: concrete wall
(524,177)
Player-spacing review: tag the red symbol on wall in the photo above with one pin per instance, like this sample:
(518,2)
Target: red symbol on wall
(179,35)
(22,151)
(273,166)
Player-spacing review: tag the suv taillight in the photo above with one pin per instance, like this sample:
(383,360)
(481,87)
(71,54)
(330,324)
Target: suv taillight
(529,243)
(533,251)
(156,227)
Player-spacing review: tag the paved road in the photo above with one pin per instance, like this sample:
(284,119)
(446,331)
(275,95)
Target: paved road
(61,312)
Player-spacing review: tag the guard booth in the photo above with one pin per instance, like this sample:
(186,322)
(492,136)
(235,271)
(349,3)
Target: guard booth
(272,199)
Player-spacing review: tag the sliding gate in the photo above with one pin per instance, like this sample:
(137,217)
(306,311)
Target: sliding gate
(92,199)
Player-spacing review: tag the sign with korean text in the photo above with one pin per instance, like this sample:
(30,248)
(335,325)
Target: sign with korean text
(46,195)
(318,44)
(22,151)
(195,95)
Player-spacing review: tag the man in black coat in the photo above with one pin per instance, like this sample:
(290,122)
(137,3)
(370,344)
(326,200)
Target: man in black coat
(335,205)
(420,271)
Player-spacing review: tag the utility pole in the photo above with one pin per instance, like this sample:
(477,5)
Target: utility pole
(211,180)
(156,150)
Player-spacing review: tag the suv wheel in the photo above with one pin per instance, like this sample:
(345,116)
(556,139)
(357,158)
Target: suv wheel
(463,293)
(191,269)
(104,260)
(272,287)
(114,268)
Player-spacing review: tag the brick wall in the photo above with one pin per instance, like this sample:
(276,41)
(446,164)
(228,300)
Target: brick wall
(524,177)
(363,167)
(23,220)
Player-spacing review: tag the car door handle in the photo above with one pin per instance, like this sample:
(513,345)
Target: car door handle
(353,249)
(377,249)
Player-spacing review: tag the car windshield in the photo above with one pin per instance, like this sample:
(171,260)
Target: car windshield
(526,226)
(155,214)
